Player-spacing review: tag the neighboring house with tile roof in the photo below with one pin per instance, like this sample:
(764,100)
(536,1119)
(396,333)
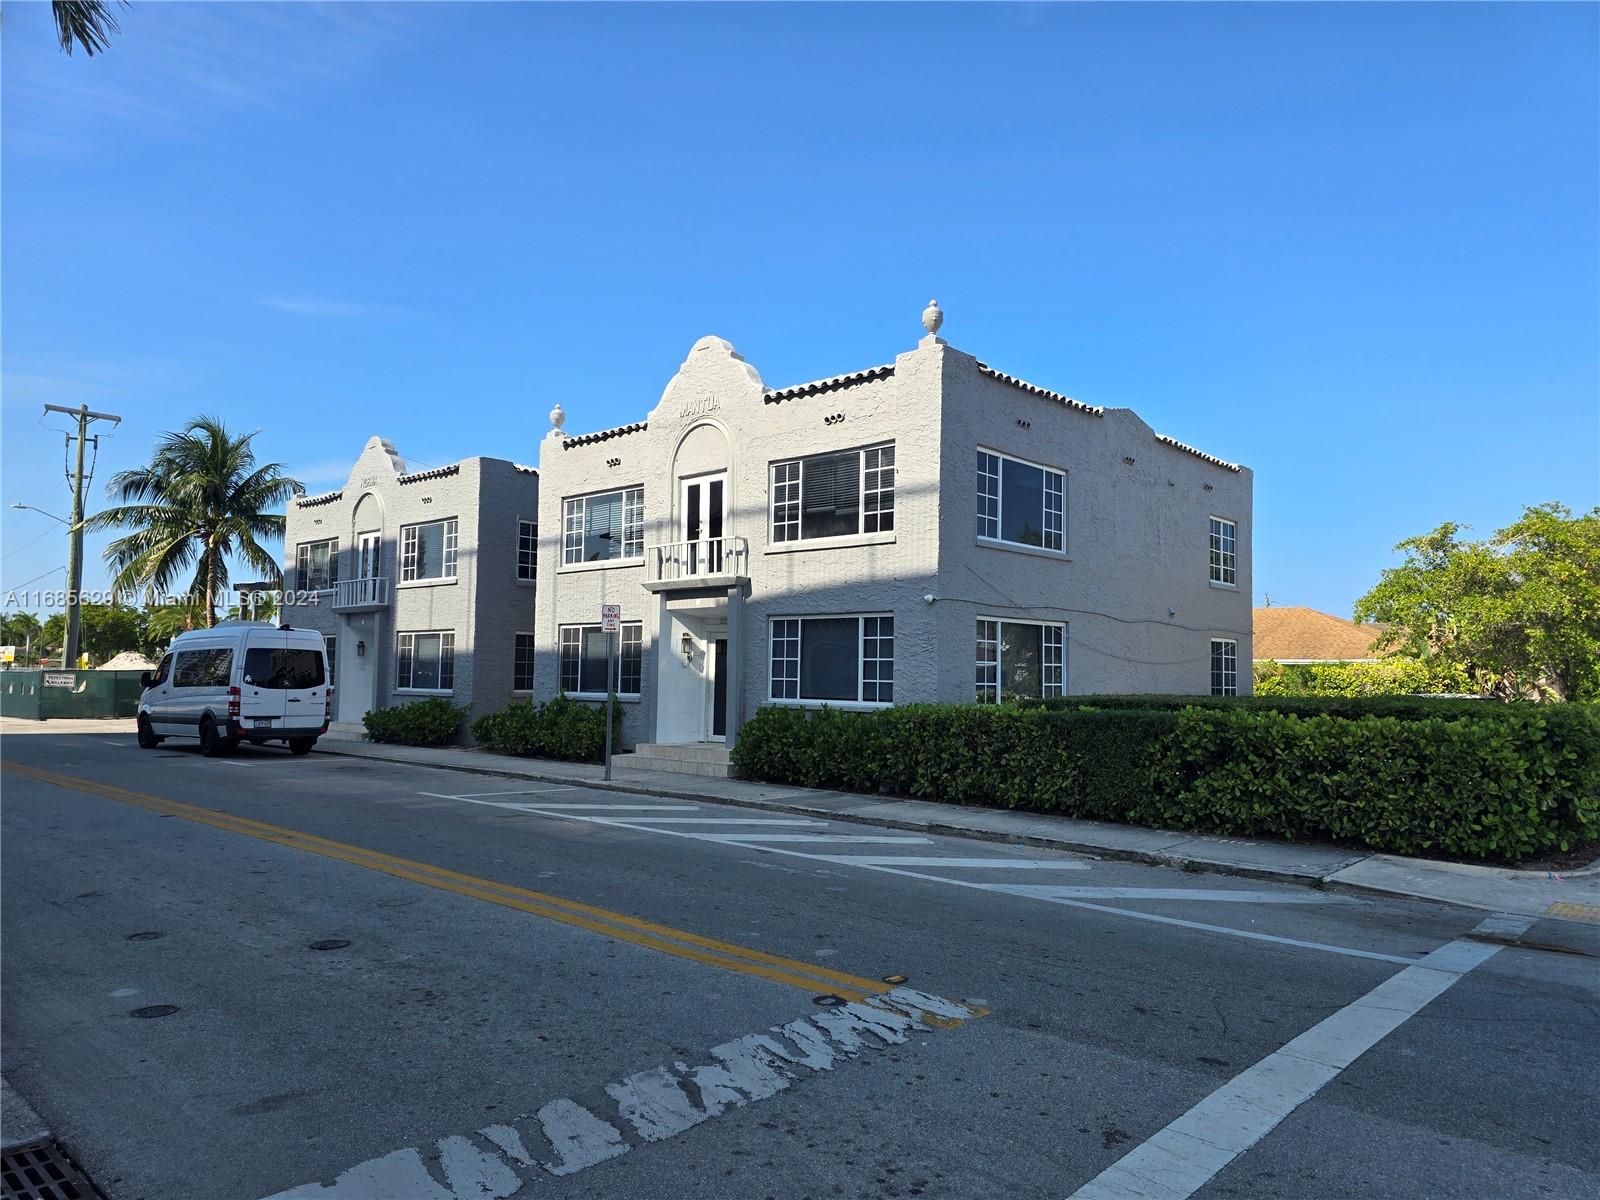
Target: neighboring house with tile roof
(1289,634)
(930,529)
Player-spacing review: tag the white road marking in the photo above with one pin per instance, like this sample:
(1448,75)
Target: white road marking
(123,744)
(1014,864)
(1091,906)
(556,810)
(538,791)
(727,821)
(750,839)
(1186,1155)
(1224,895)
(655,1104)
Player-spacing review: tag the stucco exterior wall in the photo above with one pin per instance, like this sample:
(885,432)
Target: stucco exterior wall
(483,606)
(1132,586)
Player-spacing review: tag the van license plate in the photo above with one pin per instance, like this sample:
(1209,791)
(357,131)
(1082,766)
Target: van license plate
(263,723)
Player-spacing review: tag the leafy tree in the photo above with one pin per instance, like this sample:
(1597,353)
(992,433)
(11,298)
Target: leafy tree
(22,630)
(86,23)
(105,630)
(201,499)
(1520,611)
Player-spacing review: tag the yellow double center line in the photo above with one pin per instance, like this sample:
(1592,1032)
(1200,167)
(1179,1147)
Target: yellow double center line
(677,942)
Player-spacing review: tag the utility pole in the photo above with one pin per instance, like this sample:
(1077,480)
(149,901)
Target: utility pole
(69,652)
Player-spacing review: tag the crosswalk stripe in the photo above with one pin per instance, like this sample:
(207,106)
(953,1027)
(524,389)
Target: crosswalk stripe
(1222,895)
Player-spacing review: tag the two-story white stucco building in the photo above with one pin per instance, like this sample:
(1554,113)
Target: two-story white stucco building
(422,582)
(931,529)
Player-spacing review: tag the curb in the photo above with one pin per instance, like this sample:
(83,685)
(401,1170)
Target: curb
(1120,854)
(21,1125)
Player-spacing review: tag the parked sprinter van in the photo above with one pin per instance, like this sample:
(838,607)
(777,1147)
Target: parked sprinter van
(242,681)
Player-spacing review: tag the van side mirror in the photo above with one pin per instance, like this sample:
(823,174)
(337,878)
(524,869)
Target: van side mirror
(147,679)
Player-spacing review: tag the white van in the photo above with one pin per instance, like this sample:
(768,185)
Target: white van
(243,680)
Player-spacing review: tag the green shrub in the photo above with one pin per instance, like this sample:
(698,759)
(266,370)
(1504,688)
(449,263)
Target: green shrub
(1396,676)
(431,722)
(559,728)
(1485,780)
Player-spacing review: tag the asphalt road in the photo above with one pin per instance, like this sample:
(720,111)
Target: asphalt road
(559,992)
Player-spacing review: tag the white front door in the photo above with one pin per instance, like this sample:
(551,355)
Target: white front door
(356,691)
(703,515)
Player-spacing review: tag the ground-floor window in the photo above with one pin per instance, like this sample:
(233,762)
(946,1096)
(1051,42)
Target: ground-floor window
(1020,659)
(522,664)
(333,660)
(583,660)
(1224,667)
(833,658)
(426,661)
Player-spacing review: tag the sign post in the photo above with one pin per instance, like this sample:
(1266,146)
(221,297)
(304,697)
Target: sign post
(610,624)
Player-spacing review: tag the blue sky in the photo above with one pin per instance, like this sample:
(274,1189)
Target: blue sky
(1352,246)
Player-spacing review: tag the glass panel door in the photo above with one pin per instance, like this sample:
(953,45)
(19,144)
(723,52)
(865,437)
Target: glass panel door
(704,513)
(369,547)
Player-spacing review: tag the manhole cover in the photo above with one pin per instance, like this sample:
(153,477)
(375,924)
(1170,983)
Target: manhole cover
(329,944)
(829,1001)
(145,935)
(41,1171)
(154,1010)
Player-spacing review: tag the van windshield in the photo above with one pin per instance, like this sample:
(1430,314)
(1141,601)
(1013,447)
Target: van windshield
(282,670)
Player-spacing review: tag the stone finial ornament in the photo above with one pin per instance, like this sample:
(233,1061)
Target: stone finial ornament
(558,418)
(932,317)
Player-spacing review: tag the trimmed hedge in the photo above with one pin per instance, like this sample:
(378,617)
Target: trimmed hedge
(1406,707)
(431,722)
(559,728)
(1523,781)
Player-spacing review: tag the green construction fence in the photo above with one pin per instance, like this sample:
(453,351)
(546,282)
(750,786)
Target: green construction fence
(43,695)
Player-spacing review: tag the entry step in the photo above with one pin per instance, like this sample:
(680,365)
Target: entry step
(707,759)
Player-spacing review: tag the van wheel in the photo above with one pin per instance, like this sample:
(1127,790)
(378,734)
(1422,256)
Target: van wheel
(301,745)
(147,739)
(212,743)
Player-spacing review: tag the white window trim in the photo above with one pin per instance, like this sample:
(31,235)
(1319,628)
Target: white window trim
(414,634)
(861,536)
(517,574)
(1064,626)
(333,566)
(860,705)
(527,633)
(622,560)
(1210,686)
(1000,543)
(1219,583)
(427,580)
(622,697)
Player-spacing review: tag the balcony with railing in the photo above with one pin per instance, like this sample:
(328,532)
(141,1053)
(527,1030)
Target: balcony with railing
(708,562)
(355,595)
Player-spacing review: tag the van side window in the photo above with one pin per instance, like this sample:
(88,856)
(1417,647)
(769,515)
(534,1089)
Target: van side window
(202,668)
(163,671)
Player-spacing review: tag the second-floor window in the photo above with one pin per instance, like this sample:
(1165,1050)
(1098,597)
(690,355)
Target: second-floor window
(833,495)
(428,551)
(527,551)
(316,565)
(603,526)
(1224,561)
(1020,502)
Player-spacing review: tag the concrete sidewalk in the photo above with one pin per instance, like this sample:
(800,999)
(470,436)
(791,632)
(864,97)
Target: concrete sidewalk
(1568,896)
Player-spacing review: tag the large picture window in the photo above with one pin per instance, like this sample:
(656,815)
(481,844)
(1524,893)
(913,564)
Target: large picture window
(316,565)
(849,659)
(604,526)
(1224,561)
(833,495)
(427,661)
(1020,659)
(1224,667)
(583,660)
(1021,502)
(428,551)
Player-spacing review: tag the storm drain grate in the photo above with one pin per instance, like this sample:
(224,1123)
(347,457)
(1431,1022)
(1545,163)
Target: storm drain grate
(41,1171)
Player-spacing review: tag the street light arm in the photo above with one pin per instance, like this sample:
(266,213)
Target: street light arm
(31,508)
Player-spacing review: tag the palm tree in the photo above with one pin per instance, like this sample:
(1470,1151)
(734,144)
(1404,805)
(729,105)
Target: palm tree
(201,499)
(89,23)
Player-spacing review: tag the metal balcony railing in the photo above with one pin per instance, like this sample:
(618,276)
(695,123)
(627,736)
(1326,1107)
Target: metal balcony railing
(350,595)
(708,558)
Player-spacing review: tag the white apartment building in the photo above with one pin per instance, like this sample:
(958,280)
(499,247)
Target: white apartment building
(424,581)
(931,529)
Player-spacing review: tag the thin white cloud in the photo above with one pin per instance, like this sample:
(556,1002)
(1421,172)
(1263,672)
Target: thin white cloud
(323,307)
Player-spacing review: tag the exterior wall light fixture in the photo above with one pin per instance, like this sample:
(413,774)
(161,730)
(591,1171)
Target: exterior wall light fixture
(361,649)
(687,643)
